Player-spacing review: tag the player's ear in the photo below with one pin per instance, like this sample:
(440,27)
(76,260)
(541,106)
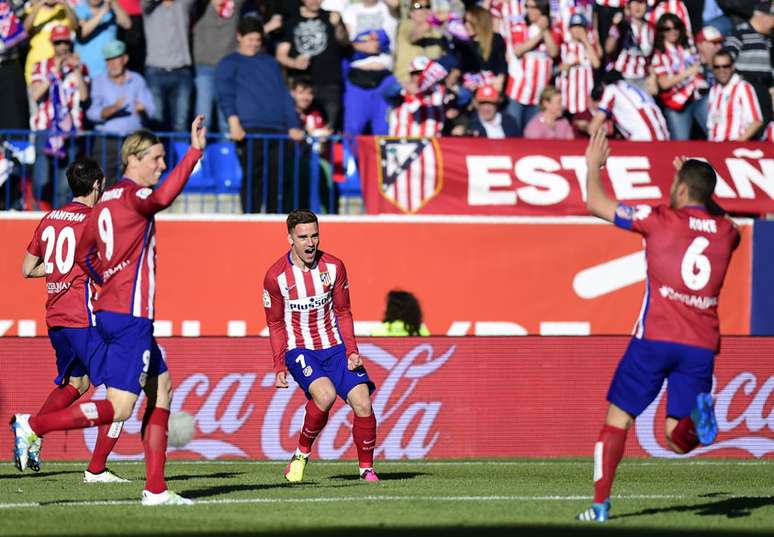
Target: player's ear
(290,239)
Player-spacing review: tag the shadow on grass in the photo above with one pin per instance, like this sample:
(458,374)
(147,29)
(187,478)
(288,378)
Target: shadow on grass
(729,507)
(216,475)
(226,489)
(383,476)
(41,475)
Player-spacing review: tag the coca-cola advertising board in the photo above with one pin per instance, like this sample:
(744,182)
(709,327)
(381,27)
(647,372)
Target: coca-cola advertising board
(531,177)
(472,276)
(436,397)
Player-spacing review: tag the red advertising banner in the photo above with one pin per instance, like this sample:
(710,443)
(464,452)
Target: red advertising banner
(482,277)
(531,177)
(436,397)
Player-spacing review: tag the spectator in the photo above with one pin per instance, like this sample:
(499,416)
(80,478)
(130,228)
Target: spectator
(709,41)
(121,103)
(213,38)
(134,36)
(99,22)
(486,120)
(530,63)
(606,12)
(402,317)
(581,123)
(549,123)
(634,112)
(678,73)
(13,109)
(417,37)
(482,57)
(418,106)
(312,45)
(579,57)
(312,118)
(42,17)
(750,46)
(59,86)
(630,42)
(675,7)
(712,15)
(243,78)
(168,61)
(371,26)
(734,114)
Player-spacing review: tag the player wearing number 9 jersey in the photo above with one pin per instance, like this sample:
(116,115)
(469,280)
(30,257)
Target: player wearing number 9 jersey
(118,249)
(69,315)
(688,247)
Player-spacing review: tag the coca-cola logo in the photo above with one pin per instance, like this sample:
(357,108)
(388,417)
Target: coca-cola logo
(749,429)
(227,407)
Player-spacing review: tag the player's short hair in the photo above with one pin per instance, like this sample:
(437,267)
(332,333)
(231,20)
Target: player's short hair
(300,216)
(249,24)
(301,82)
(700,178)
(138,144)
(724,53)
(81,175)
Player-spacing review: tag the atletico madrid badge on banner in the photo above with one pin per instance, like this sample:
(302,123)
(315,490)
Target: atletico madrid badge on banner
(410,171)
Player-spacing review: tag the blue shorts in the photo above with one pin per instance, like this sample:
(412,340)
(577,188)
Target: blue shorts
(75,350)
(646,364)
(306,366)
(132,354)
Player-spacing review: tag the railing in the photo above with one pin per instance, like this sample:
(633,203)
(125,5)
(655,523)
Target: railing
(267,173)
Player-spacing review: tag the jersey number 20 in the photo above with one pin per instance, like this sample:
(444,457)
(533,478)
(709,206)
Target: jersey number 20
(64,245)
(696,267)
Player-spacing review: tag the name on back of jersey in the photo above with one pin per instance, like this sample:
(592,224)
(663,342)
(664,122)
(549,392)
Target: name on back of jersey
(310,303)
(66,216)
(113,194)
(705,225)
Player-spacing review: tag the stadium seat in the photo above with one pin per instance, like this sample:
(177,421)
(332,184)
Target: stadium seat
(222,165)
(200,181)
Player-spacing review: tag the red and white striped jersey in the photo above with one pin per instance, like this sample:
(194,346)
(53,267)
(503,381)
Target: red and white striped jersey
(634,112)
(632,61)
(611,3)
(731,109)
(576,83)
(69,97)
(118,247)
(670,6)
(307,309)
(673,61)
(70,290)
(419,115)
(529,74)
(567,8)
(768,133)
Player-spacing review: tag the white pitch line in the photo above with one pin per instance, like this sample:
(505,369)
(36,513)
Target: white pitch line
(659,462)
(334,499)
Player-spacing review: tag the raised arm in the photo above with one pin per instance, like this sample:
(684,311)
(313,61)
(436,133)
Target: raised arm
(597,200)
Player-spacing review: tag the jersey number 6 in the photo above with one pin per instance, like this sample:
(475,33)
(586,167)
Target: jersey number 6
(696,267)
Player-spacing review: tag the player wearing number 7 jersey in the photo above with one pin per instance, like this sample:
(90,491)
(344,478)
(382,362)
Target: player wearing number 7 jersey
(688,247)
(118,248)
(69,315)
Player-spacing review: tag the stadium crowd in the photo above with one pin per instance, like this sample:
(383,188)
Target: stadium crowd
(558,69)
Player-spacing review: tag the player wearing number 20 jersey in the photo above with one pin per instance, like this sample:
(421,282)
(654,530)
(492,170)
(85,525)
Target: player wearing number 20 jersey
(688,247)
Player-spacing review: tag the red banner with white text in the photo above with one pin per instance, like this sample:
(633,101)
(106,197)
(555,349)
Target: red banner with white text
(481,278)
(435,398)
(539,178)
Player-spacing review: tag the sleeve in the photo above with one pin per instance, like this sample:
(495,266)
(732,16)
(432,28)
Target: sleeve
(637,218)
(86,250)
(659,64)
(292,120)
(274,308)
(146,97)
(148,202)
(33,248)
(37,74)
(343,311)
(225,85)
(750,106)
(607,102)
(497,58)
(98,102)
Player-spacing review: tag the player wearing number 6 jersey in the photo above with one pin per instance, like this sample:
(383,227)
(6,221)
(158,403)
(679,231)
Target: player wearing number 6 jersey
(118,248)
(306,300)
(69,315)
(688,247)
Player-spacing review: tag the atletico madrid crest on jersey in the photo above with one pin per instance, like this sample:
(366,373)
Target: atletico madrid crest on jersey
(325,278)
(410,171)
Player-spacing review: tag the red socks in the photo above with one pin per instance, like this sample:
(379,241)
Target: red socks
(154,440)
(364,435)
(684,435)
(59,398)
(73,417)
(314,421)
(106,440)
(608,452)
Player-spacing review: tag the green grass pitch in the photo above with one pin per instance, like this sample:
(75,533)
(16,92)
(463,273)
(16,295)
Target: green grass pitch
(444,498)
